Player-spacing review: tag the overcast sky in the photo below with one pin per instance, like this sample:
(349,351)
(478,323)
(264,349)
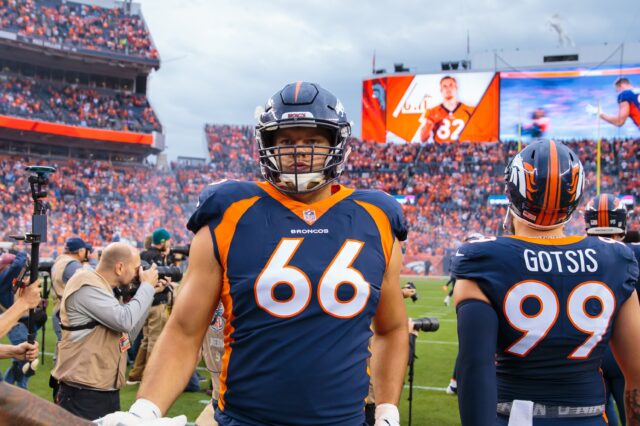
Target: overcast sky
(222,58)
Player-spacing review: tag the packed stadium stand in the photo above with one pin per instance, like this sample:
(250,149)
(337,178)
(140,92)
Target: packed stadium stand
(73,93)
(88,107)
(77,25)
(73,80)
(451,185)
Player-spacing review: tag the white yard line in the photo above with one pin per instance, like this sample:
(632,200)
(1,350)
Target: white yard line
(437,342)
(427,388)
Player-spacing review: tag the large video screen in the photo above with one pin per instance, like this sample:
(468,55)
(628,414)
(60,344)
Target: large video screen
(432,108)
(570,104)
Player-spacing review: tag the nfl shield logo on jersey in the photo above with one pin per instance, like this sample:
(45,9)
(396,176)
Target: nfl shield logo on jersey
(309,216)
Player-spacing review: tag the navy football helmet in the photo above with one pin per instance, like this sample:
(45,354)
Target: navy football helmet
(302,104)
(545,182)
(605,215)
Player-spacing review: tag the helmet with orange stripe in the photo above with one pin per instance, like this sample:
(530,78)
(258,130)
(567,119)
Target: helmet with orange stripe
(605,215)
(545,182)
(302,138)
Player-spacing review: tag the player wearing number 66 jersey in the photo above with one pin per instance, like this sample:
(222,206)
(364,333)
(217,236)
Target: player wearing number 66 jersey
(302,266)
(447,120)
(537,309)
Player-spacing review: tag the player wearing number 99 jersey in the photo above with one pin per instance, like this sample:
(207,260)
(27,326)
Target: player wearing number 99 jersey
(536,310)
(302,267)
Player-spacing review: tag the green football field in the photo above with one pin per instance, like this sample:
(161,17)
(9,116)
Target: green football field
(436,355)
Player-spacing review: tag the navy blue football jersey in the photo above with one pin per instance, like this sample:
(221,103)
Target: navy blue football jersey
(556,301)
(301,286)
(632,96)
(635,248)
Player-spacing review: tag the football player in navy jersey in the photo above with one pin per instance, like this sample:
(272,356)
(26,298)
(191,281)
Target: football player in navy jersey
(606,216)
(302,266)
(628,104)
(537,309)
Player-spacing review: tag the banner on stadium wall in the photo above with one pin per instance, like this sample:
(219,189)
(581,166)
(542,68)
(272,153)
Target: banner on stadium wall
(405,199)
(441,108)
(417,265)
(75,131)
(628,200)
(563,104)
(498,200)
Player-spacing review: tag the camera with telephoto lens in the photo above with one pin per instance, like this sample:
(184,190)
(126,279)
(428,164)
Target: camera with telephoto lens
(183,250)
(425,324)
(412,286)
(45,266)
(178,254)
(172,272)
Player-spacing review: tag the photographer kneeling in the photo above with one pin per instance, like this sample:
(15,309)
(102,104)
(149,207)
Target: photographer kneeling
(96,329)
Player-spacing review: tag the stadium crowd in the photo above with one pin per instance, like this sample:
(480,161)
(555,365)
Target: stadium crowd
(448,188)
(90,107)
(450,183)
(97,201)
(76,25)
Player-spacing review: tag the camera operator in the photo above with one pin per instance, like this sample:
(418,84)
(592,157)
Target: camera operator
(160,248)
(11,267)
(76,252)
(14,308)
(96,329)
(156,255)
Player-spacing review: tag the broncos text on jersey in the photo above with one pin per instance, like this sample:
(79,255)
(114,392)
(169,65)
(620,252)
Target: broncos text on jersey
(301,286)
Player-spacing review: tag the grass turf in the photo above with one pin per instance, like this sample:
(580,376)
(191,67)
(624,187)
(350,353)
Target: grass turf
(436,354)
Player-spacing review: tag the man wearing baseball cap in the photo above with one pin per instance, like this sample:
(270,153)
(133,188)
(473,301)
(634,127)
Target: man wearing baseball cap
(158,315)
(76,252)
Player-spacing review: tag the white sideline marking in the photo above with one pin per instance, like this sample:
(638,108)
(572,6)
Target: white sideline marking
(427,388)
(437,342)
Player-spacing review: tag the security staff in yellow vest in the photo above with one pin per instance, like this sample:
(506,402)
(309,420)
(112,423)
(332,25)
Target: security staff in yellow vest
(76,252)
(97,329)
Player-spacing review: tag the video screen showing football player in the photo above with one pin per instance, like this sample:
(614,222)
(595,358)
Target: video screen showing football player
(307,271)
(445,122)
(538,126)
(628,104)
(537,309)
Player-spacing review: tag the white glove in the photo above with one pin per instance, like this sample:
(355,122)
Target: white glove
(592,110)
(142,413)
(387,415)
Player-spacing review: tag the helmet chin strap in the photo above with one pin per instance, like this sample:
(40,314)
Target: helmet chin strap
(507,223)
